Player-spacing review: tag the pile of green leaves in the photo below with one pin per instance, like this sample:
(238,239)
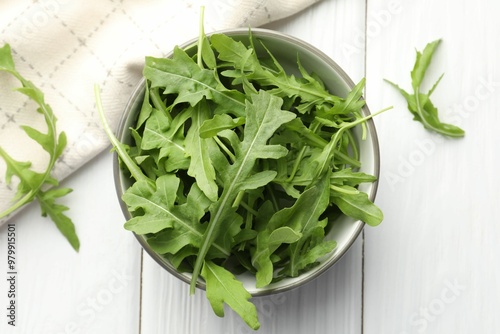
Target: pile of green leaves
(419,104)
(239,166)
(38,185)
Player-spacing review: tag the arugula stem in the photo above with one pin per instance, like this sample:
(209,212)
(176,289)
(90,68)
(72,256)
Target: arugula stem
(135,170)
(225,149)
(315,139)
(273,197)
(201,36)
(238,199)
(442,130)
(420,112)
(249,209)
(363,126)
(352,140)
(333,143)
(220,210)
(343,190)
(296,164)
(347,159)
(158,103)
(352,124)
(248,220)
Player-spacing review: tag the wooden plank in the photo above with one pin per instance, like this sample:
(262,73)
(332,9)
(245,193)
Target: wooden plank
(432,266)
(61,291)
(331,303)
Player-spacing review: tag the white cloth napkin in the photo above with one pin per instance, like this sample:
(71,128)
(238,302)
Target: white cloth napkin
(64,47)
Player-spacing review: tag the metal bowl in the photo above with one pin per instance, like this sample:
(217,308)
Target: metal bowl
(285,48)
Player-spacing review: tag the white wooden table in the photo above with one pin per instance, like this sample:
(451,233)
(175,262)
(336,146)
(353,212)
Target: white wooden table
(431,267)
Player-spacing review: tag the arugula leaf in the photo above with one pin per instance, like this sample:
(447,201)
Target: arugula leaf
(263,117)
(156,202)
(31,182)
(154,210)
(55,211)
(181,75)
(293,225)
(419,104)
(304,217)
(422,62)
(167,136)
(218,123)
(356,204)
(351,178)
(147,108)
(245,60)
(267,242)
(198,148)
(222,287)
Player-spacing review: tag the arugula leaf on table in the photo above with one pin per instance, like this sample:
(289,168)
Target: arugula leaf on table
(31,183)
(419,104)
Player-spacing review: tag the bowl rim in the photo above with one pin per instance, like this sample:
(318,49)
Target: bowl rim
(256,32)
